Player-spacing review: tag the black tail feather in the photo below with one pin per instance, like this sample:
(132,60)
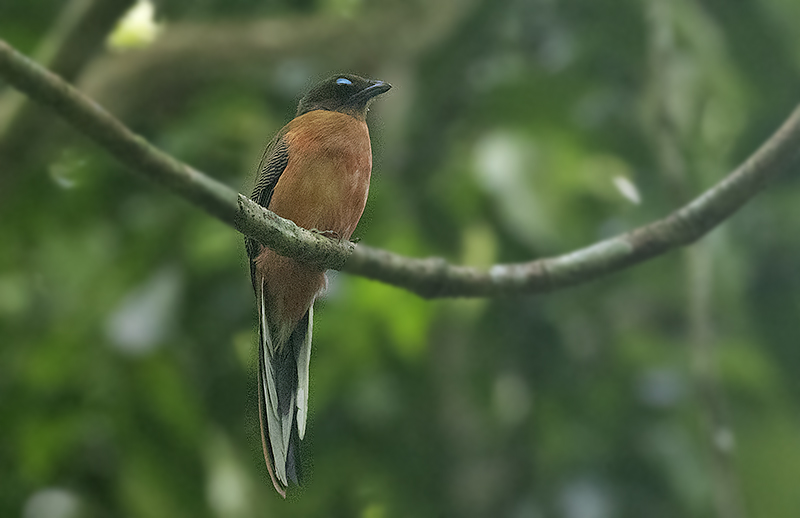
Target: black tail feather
(289,359)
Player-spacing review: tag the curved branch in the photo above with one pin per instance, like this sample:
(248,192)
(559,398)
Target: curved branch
(435,278)
(77,35)
(426,277)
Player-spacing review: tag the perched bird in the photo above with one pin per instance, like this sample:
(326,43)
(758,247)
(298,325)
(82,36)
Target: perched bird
(315,172)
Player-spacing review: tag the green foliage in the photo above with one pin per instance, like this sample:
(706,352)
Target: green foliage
(127,331)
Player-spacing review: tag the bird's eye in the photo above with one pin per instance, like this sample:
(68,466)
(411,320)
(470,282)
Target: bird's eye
(343,81)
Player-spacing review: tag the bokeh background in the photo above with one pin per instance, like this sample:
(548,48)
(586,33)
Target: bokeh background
(516,129)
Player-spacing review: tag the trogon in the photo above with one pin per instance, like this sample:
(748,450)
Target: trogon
(315,172)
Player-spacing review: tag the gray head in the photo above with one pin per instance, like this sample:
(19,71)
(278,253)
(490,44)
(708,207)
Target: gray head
(346,93)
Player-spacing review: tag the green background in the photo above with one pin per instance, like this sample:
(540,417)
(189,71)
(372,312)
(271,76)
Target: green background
(127,323)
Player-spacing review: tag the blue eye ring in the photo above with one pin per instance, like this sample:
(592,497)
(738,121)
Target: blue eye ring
(343,81)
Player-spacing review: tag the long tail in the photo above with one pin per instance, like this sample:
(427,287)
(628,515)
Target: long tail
(282,394)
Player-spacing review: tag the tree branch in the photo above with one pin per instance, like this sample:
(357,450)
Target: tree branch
(426,277)
(77,35)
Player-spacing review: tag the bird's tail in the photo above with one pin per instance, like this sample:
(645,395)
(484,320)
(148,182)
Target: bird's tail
(282,393)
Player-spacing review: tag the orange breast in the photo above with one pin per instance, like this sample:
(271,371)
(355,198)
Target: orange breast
(323,187)
(326,181)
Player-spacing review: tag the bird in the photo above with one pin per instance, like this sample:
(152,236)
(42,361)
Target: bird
(316,172)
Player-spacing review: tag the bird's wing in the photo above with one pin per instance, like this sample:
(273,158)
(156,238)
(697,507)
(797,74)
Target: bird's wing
(270,168)
(273,163)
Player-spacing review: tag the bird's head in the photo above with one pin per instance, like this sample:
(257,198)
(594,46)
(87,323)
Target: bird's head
(346,93)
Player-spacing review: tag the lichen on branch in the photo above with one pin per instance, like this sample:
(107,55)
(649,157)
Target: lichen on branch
(432,277)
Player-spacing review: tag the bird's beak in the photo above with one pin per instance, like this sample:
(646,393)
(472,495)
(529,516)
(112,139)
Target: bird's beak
(374,89)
